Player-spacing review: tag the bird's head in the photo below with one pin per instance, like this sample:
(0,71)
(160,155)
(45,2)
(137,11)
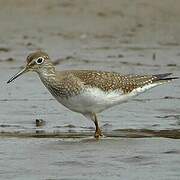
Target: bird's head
(38,61)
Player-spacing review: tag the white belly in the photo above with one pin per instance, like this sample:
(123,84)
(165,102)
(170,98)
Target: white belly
(93,100)
(96,100)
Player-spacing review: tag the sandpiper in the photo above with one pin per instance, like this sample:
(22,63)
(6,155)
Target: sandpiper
(88,91)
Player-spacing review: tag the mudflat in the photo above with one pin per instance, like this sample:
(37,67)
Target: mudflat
(141,136)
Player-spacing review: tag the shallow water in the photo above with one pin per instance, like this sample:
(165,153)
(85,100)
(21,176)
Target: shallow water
(110,158)
(141,137)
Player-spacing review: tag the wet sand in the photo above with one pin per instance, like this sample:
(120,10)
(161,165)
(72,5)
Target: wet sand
(141,136)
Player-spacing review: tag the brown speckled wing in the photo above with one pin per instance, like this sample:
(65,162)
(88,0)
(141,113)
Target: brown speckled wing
(108,81)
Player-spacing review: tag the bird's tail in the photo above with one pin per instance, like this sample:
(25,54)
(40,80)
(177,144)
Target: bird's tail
(163,77)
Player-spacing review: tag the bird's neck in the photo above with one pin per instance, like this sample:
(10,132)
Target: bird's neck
(47,73)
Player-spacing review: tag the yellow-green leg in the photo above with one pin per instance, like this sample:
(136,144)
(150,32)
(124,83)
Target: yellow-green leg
(93,117)
(98,131)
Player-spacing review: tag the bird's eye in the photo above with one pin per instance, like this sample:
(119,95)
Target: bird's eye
(40,60)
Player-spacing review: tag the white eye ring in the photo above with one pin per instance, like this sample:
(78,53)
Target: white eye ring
(39,60)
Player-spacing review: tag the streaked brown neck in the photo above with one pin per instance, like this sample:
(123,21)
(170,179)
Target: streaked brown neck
(47,71)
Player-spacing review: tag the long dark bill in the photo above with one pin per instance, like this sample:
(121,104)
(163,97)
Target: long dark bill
(17,75)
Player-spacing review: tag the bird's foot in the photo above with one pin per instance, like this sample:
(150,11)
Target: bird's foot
(98,133)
